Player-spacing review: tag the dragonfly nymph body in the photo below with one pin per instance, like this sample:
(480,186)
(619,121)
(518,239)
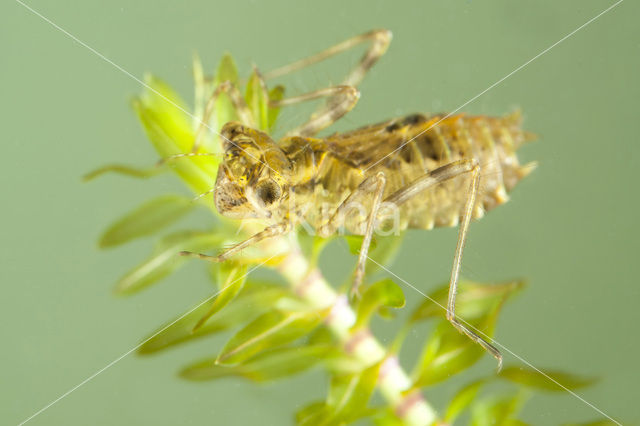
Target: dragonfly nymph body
(419,171)
(303,179)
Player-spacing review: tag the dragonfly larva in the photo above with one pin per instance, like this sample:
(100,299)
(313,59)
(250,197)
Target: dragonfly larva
(420,171)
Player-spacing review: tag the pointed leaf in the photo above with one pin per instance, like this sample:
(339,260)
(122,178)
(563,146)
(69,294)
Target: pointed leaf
(339,363)
(388,418)
(257,100)
(498,410)
(354,242)
(322,336)
(531,378)
(314,414)
(383,252)
(169,129)
(231,279)
(473,301)
(462,400)
(168,112)
(284,362)
(385,293)
(201,88)
(312,246)
(149,218)
(224,111)
(266,366)
(254,299)
(350,394)
(165,259)
(275,94)
(601,422)
(227,69)
(270,330)
(448,352)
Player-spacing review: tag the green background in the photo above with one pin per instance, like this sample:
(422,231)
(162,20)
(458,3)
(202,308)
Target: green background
(571,228)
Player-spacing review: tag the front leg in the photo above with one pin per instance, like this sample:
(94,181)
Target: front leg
(341,100)
(269,232)
(378,43)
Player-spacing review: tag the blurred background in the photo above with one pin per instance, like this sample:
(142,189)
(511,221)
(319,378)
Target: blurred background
(570,229)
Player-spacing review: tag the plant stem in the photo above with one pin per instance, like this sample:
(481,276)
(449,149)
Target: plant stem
(310,285)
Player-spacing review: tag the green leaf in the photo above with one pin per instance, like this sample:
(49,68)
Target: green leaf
(201,88)
(531,378)
(224,111)
(385,293)
(166,259)
(322,336)
(275,94)
(601,422)
(498,410)
(121,169)
(254,299)
(473,301)
(349,394)
(227,69)
(168,113)
(164,118)
(462,400)
(387,418)
(314,414)
(338,362)
(354,242)
(269,330)
(312,246)
(257,100)
(383,252)
(231,279)
(266,366)
(448,352)
(149,218)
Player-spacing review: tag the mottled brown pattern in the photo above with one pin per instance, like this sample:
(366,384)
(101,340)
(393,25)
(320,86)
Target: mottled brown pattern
(315,175)
(406,148)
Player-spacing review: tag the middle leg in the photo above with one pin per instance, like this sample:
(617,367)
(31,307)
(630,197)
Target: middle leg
(373,185)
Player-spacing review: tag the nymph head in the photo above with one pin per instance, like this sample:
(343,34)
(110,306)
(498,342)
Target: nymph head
(253,176)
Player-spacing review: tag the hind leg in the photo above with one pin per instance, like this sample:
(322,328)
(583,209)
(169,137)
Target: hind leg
(451,171)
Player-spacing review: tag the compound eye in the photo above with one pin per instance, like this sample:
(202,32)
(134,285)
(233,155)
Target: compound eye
(268,192)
